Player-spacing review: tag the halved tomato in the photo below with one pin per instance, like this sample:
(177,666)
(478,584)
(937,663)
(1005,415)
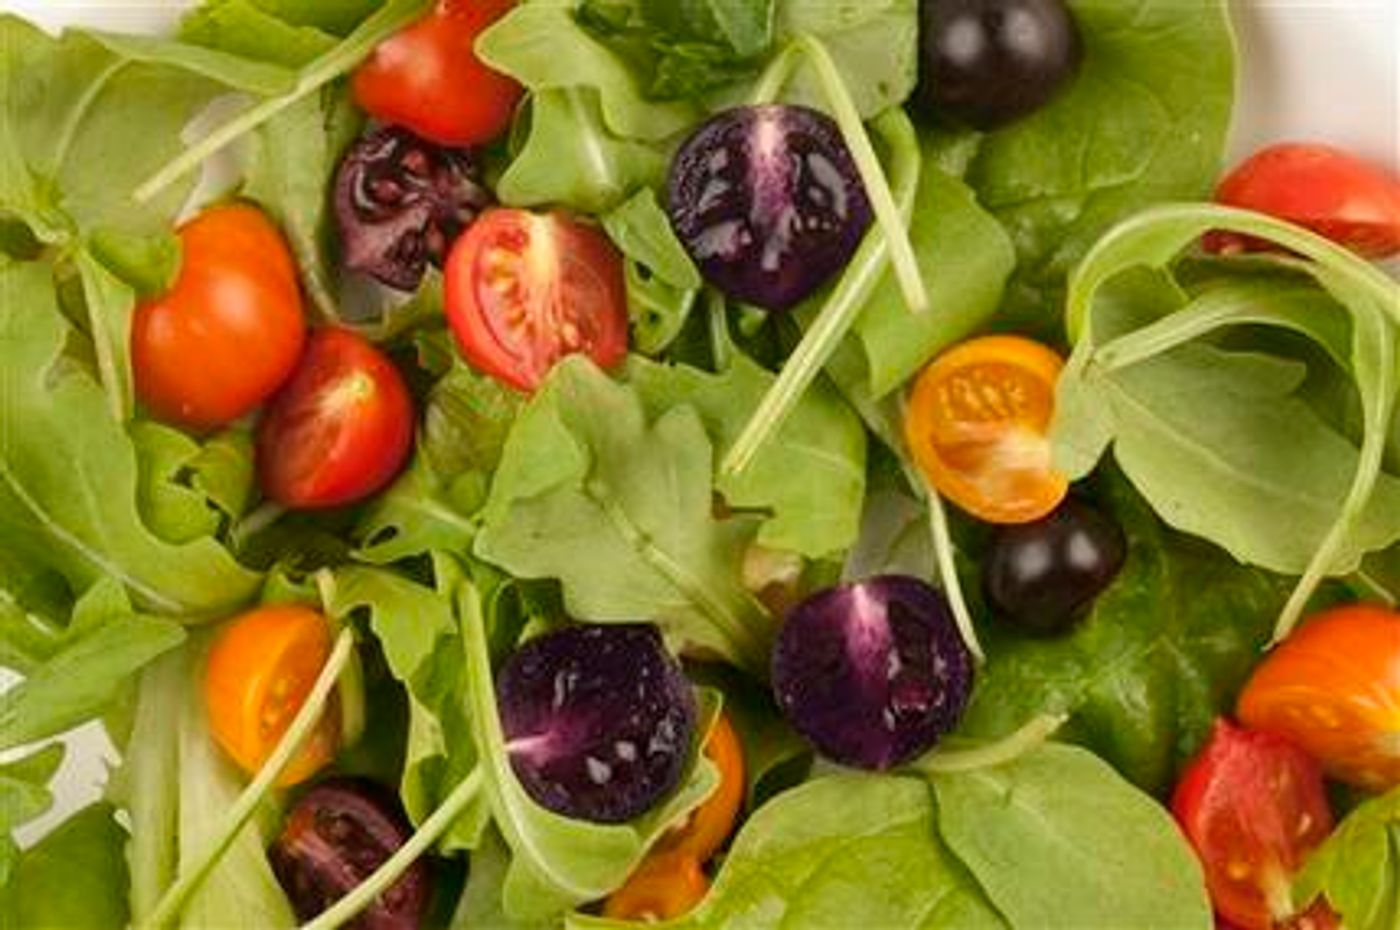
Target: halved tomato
(977,423)
(523,290)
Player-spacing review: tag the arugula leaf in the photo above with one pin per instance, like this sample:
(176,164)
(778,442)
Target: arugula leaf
(74,877)
(1357,869)
(662,281)
(24,795)
(1160,655)
(68,473)
(873,42)
(482,903)
(337,17)
(619,510)
(186,489)
(244,27)
(1057,837)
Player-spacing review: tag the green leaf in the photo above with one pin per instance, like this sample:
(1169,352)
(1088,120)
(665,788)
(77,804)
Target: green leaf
(73,878)
(1357,869)
(24,795)
(662,282)
(482,903)
(1163,652)
(244,27)
(1057,837)
(619,510)
(873,42)
(110,303)
(68,473)
(337,17)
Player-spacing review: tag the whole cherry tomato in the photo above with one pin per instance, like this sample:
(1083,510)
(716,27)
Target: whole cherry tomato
(340,430)
(1337,195)
(1334,688)
(1253,805)
(261,669)
(228,334)
(977,423)
(427,77)
(523,290)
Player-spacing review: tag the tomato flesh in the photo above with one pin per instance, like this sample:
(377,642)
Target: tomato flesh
(525,290)
(1253,805)
(340,430)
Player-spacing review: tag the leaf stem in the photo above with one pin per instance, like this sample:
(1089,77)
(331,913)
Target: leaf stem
(189,879)
(948,573)
(1009,749)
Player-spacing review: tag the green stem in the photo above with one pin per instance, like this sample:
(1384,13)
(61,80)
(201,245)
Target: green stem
(948,573)
(1013,747)
(384,877)
(836,318)
(776,76)
(721,345)
(189,879)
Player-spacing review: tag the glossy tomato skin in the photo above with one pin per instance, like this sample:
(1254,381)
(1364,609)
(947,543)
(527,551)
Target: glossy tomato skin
(524,290)
(228,333)
(1253,806)
(1337,195)
(427,78)
(340,430)
(1333,687)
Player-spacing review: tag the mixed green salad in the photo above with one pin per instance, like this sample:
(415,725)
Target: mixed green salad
(724,463)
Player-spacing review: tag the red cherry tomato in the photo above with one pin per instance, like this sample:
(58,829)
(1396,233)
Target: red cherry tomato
(1350,201)
(340,430)
(1253,806)
(226,336)
(524,290)
(427,77)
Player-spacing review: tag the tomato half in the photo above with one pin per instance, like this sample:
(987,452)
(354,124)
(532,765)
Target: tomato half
(663,887)
(1334,688)
(709,826)
(1337,195)
(427,77)
(1253,805)
(340,430)
(523,290)
(261,669)
(977,426)
(229,332)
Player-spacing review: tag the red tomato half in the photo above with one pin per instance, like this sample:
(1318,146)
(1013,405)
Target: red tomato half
(340,430)
(1350,201)
(427,77)
(1253,806)
(524,290)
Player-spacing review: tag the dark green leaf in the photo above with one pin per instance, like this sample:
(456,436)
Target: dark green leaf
(74,878)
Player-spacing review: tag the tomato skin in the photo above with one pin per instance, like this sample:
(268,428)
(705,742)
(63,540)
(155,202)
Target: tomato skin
(340,430)
(260,670)
(977,424)
(1350,201)
(1333,687)
(427,78)
(663,887)
(228,333)
(712,822)
(524,290)
(1253,805)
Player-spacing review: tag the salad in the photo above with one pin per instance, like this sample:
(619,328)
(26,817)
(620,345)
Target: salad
(717,463)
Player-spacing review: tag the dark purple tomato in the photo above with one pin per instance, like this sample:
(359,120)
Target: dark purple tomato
(872,673)
(599,720)
(987,63)
(336,836)
(1043,576)
(768,202)
(400,203)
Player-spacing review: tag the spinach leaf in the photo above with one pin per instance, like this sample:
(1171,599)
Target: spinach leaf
(24,795)
(618,508)
(1357,869)
(1057,837)
(74,877)
(1163,651)
(68,472)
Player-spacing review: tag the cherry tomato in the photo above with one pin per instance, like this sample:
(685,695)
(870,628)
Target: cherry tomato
(977,423)
(1253,806)
(524,290)
(427,77)
(1334,688)
(1350,201)
(229,332)
(709,826)
(340,430)
(664,886)
(260,671)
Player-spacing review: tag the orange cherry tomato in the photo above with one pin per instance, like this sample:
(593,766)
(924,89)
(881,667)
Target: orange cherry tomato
(977,423)
(260,671)
(1334,688)
(229,333)
(710,824)
(664,886)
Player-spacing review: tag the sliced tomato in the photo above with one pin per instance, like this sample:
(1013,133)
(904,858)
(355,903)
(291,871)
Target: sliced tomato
(663,887)
(701,836)
(340,430)
(523,290)
(977,427)
(260,671)
(1253,805)
(1334,688)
